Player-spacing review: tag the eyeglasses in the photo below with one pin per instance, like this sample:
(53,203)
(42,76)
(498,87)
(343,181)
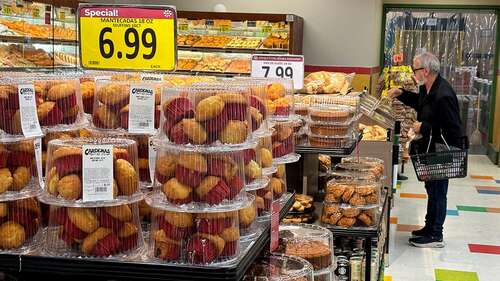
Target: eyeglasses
(416,69)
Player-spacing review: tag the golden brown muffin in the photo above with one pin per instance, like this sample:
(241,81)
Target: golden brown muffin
(233,98)
(127,230)
(235,132)
(60,91)
(91,240)
(276,185)
(3,210)
(247,216)
(230,234)
(206,185)
(12,235)
(280,173)
(121,212)
(70,187)
(113,94)
(193,161)
(178,219)
(176,191)
(126,177)
(22,177)
(194,131)
(66,151)
(209,108)
(253,170)
(105,118)
(52,181)
(6,180)
(83,218)
(266,157)
(165,165)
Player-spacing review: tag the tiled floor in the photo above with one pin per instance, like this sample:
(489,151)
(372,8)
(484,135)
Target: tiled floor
(472,229)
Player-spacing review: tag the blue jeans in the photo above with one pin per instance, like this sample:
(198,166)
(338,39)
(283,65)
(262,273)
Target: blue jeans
(436,207)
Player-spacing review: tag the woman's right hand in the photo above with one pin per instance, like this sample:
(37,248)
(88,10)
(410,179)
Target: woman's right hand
(394,93)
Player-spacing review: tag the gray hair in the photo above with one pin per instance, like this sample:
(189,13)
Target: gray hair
(429,61)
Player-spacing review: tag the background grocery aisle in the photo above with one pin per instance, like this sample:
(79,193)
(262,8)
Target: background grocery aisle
(472,249)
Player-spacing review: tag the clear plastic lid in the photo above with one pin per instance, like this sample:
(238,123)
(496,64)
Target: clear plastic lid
(372,161)
(18,169)
(194,237)
(310,242)
(99,232)
(129,106)
(331,113)
(376,170)
(86,170)
(215,114)
(347,216)
(20,225)
(280,268)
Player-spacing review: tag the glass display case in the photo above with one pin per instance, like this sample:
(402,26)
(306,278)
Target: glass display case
(37,36)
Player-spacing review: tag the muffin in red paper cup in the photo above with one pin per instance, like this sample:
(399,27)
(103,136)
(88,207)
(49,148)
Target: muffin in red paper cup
(198,237)
(109,231)
(257,102)
(200,176)
(18,168)
(254,175)
(248,218)
(264,153)
(277,184)
(20,224)
(263,200)
(128,106)
(283,142)
(212,114)
(65,165)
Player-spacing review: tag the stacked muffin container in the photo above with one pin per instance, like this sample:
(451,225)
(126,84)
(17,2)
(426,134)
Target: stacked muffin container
(353,196)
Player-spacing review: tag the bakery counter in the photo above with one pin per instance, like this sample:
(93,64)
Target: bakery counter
(34,266)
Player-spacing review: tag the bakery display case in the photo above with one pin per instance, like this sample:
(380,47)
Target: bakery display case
(222,44)
(37,36)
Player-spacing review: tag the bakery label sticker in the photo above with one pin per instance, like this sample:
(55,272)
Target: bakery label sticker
(141,114)
(152,158)
(38,157)
(152,77)
(275,224)
(27,110)
(279,66)
(97,172)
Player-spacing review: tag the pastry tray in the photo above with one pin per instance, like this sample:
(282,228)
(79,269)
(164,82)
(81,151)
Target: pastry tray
(344,151)
(33,266)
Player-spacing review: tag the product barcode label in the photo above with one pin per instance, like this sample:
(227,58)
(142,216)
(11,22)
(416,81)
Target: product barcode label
(27,109)
(97,172)
(141,110)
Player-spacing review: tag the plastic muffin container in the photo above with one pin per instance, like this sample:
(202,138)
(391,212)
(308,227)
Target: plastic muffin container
(353,192)
(280,267)
(56,135)
(257,102)
(331,141)
(263,200)
(248,218)
(145,147)
(214,114)
(331,113)
(283,142)
(310,242)
(277,183)
(73,174)
(264,152)
(129,106)
(18,168)
(87,88)
(346,216)
(375,171)
(20,225)
(43,102)
(208,237)
(199,177)
(108,231)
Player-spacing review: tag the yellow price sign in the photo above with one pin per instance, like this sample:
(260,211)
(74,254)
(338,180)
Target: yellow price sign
(127,37)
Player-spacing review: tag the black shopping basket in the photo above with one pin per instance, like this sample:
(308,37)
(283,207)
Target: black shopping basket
(440,165)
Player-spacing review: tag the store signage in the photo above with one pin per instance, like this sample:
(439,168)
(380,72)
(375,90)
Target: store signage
(279,66)
(127,37)
(275,224)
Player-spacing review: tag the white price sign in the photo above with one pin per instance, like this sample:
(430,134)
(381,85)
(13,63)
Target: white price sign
(279,66)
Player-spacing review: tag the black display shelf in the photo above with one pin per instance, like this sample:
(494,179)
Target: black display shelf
(232,50)
(209,73)
(29,267)
(336,152)
(34,40)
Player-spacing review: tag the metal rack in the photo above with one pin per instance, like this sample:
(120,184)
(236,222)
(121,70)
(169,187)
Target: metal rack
(33,266)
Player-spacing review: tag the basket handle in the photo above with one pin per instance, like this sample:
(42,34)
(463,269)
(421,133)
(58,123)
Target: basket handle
(430,140)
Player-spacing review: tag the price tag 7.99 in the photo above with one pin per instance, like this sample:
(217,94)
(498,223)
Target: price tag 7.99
(127,37)
(279,66)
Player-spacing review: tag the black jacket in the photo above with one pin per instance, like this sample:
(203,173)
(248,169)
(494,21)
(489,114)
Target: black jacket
(438,111)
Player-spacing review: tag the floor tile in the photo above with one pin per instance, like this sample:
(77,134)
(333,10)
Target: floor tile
(497,181)
(493,210)
(394,220)
(481,177)
(471,208)
(488,187)
(408,227)
(491,192)
(484,249)
(413,195)
(452,212)
(455,275)
(387,278)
